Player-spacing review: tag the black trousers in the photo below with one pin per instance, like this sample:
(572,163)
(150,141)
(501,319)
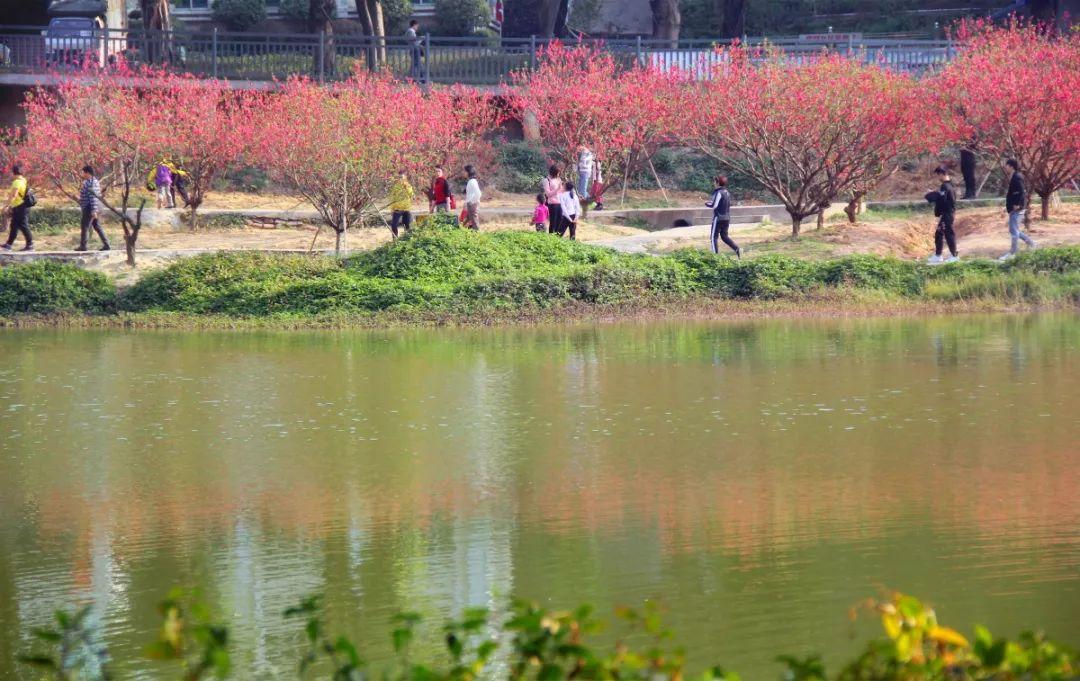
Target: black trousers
(89,220)
(554,218)
(400,217)
(571,225)
(945,234)
(720,233)
(20,222)
(179,187)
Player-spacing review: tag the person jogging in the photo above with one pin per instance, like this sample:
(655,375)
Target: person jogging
(570,205)
(19,211)
(721,217)
(1016,206)
(944,200)
(90,203)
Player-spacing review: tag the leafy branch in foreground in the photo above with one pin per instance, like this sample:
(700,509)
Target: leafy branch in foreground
(527,642)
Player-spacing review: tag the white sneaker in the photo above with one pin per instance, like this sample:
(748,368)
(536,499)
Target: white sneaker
(1032,246)
(934,260)
(1007,256)
(953,258)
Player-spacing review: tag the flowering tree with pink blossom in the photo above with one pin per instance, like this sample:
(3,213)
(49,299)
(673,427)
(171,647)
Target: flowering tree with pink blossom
(809,133)
(104,122)
(1015,89)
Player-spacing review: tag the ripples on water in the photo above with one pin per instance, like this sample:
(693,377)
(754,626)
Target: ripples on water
(757,479)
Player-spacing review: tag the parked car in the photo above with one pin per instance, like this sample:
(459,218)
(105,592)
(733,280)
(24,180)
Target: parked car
(78,41)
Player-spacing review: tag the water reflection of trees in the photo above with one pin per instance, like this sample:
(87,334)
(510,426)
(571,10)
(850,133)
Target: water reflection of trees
(406,471)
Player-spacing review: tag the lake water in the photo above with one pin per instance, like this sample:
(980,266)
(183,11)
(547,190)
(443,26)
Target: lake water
(757,479)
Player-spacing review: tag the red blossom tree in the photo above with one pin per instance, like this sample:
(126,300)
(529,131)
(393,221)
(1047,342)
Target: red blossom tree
(342,146)
(809,133)
(104,122)
(209,128)
(582,95)
(1015,90)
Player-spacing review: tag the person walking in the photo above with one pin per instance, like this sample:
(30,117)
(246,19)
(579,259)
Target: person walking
(440,194)
(1016,205)
(401,197)
(19,210)
(596,192)
(540,213)
(570,204)
(584,172)
(552,186)
(179,184)
(472,199)
(945,211)
(163,180)
(412,37)
(720,202)
(90,203)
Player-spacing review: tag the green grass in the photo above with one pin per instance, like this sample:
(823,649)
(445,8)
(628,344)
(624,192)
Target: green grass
(439,271)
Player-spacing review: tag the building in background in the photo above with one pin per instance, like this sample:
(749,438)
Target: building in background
(198,11)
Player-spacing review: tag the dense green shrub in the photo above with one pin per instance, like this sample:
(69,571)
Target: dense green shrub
(872,272)
(239,15)
(1060,259)
(46,286)
(448,256)
(396,15)
(461,17)
(522,167)
(440,267)
(770,276)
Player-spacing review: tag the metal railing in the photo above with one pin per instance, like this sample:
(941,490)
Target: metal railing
(475,61)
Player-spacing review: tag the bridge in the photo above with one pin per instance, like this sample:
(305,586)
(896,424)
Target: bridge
(31,55)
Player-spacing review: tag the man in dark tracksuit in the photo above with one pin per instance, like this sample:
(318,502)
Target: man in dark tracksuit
(90,202)
(945,211)
(721,219)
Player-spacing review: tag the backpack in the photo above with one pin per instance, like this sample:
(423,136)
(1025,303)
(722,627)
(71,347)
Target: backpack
(29,198)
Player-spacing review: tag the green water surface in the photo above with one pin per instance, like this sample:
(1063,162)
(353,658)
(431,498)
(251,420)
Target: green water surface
(757,479)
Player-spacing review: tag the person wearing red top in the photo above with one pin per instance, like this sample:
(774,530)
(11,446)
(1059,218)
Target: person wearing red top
(440,195)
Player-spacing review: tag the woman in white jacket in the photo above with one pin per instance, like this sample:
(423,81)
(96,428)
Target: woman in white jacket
(570,205)
(472,199)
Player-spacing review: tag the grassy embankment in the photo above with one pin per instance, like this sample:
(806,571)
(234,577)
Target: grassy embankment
(444,276)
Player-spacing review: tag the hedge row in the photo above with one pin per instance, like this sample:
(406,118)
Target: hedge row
(458,271)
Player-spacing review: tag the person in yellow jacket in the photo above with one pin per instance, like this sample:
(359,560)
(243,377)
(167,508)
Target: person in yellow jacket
(401,198)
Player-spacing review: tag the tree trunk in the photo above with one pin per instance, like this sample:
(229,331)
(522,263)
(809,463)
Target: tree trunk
(321,14)
(549,12)
(157,23)
(370,54)
(379,23)
(1045,200)
(967,168)
(666,20)
(129,248)
(796,226)
(338,238)
(821,218)
(730,15)
(854,207)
